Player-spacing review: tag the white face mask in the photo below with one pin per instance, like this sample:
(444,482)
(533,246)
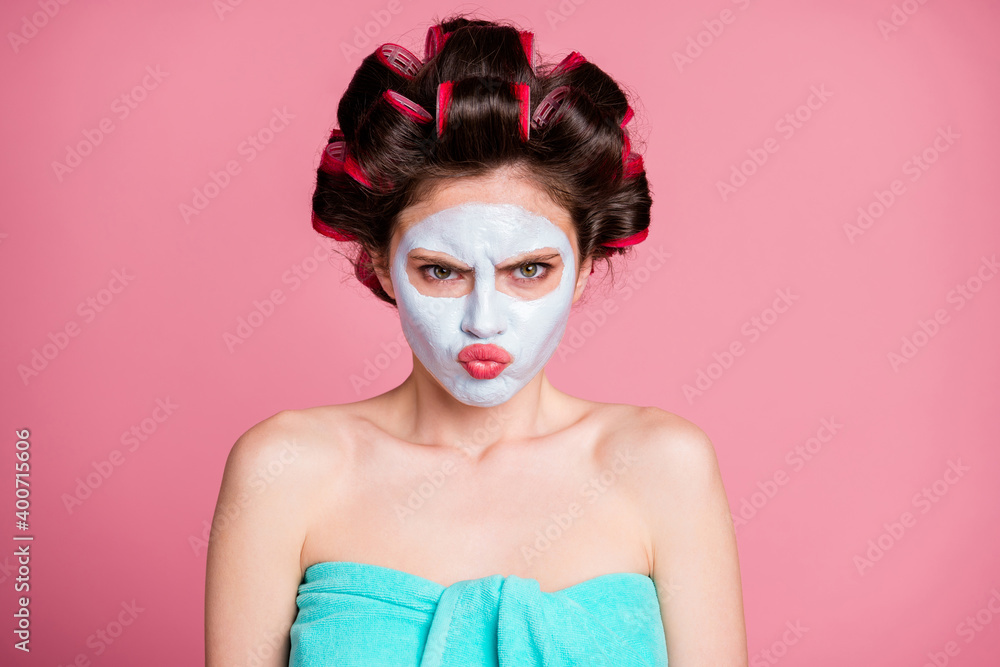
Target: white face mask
(438,328)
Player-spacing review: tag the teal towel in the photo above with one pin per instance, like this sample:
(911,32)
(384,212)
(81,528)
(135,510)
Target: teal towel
(354,614)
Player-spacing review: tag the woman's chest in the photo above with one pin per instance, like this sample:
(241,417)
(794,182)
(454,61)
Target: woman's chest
(554,513)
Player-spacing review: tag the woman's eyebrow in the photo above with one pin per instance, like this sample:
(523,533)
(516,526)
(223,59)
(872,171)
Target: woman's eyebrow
(527,258)
(523,258)
(440,261)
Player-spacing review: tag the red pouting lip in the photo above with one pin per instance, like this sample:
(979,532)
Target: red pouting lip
(480,352)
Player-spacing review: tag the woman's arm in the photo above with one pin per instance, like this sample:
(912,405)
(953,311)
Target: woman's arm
(256,541)
(695,563)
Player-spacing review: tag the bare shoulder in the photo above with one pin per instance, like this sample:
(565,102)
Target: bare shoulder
(673,477)
(663,446)
(284,459)
(303,436)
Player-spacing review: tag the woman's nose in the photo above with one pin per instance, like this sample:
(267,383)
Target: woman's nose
(485,313)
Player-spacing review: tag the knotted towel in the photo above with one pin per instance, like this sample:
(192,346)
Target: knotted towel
(354,614)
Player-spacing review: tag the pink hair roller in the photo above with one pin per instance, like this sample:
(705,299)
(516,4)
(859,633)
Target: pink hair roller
(334,153)
(333,157)
(527,43)
(434,42)
(408,107)
(354,170)
(570,62)
(634,165)
(631,162)
(326,230)
(367,278)
(638,237)
(628,116)
(443,100)
(399,59)
(522,91)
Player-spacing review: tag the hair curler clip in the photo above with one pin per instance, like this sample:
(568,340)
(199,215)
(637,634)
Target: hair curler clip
(443,100)
(548,108)
(435,41)
(407,107)
(333,157)
(399,59)
(355,171)
(522,91)
(638,237)
(334,152)
(367,277)
(326,230)
(569,63)
(527,43)
(336,159)
(628,116)
(633,166)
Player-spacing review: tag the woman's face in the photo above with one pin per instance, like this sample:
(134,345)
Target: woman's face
(484,272)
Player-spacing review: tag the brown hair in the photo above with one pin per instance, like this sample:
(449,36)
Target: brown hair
(388,153)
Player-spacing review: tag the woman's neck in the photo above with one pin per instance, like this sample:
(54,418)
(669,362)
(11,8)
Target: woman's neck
(420,410)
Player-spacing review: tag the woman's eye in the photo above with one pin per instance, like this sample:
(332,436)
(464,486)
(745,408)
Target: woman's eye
(531,271)
(437,272)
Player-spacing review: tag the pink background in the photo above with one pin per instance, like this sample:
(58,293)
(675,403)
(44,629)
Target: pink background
(161,336)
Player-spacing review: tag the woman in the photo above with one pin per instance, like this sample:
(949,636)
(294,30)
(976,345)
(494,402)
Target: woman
(475,514)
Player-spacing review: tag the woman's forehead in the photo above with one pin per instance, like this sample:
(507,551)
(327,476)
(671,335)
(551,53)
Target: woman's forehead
(477,231)
(503,186)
